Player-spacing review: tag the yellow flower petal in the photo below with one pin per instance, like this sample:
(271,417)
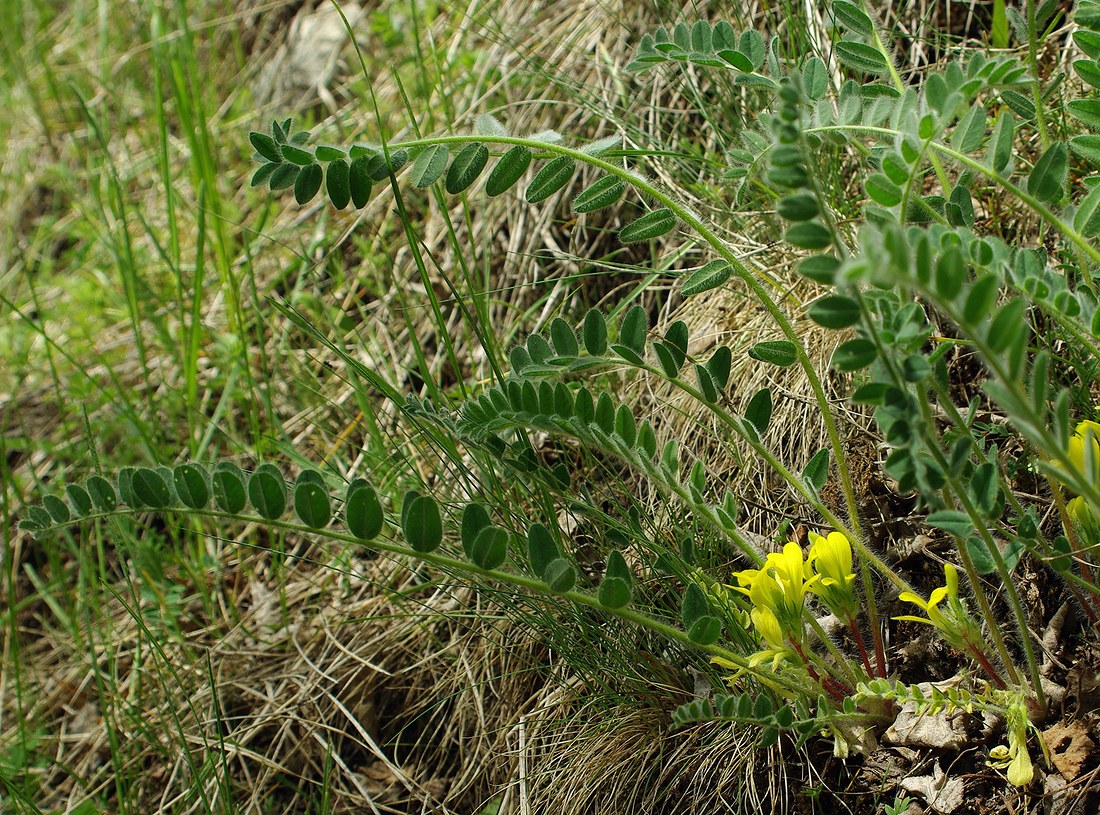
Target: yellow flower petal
(1021,772)
(909,597)
(913,619)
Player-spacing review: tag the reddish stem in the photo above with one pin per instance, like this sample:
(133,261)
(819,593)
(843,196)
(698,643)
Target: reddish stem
(863,649)
(987,665)
(836,689)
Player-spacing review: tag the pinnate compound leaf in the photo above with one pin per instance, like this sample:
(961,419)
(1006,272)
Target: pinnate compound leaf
(430,165)
(711,276)
(507,171)
(550,179)
(651,225)
(363,511)
(421,522)
(466,167)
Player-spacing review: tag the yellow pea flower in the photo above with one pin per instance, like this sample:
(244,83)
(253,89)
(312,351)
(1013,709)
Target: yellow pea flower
(952,620)
(1015,758)
(780,586)
(831,559)
(1084,449)
(766,624)
(1083,452)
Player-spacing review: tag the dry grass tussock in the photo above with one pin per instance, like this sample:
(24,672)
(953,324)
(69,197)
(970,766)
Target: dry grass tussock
(384,688)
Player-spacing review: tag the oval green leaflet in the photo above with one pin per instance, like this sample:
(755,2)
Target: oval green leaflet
(651,225)
(603,193)
(429,165)
(466,167)
(550,179)
(508,170)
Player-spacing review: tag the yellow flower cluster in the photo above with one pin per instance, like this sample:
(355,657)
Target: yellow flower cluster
(777,591)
